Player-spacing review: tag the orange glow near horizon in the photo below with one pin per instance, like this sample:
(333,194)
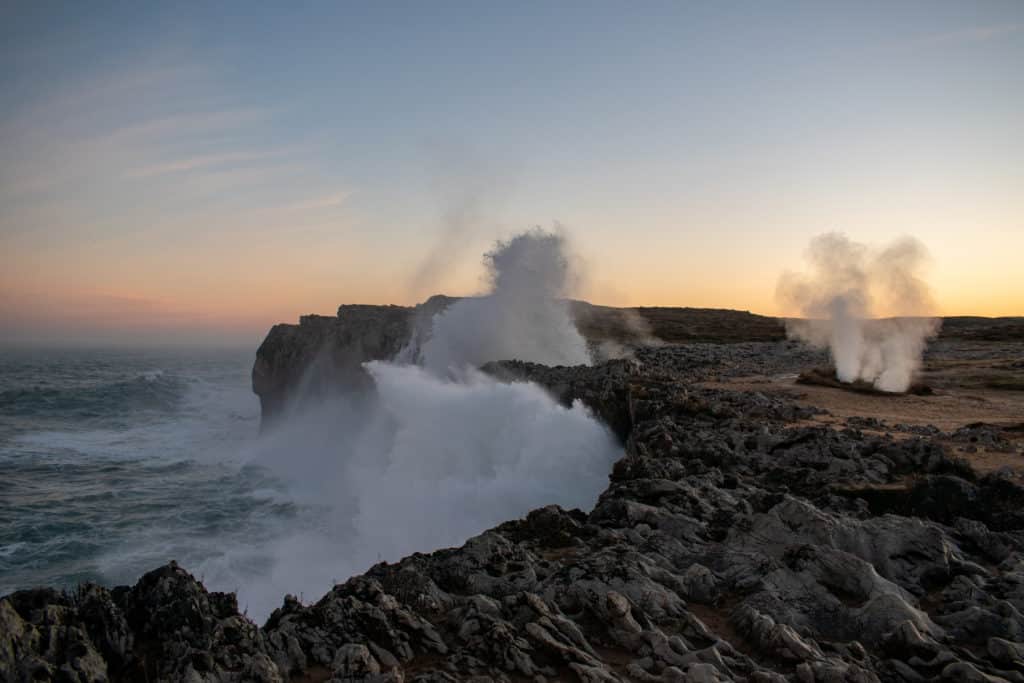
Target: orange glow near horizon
(203,292)
(156,184)
(236,282)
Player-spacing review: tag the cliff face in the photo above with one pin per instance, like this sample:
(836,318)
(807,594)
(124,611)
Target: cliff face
(322,352)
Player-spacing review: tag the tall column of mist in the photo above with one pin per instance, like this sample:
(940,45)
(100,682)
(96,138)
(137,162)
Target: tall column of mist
(841,296)
(428,455)
(523,316)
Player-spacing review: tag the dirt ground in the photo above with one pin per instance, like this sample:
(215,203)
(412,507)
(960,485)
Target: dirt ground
(947,409)
(961,398)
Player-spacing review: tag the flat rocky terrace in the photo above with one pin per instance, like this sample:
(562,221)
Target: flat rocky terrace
(755,530)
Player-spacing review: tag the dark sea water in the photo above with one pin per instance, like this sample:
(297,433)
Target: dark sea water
(113,462)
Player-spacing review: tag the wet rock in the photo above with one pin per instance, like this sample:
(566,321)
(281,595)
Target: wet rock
(735,542)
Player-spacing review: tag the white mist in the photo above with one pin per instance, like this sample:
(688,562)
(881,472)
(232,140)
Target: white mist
(846,288)
(437,452)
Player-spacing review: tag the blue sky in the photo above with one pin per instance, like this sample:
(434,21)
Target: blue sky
(220,166)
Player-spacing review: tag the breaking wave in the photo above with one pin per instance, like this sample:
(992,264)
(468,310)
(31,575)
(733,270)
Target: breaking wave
(423,463)
(436,451)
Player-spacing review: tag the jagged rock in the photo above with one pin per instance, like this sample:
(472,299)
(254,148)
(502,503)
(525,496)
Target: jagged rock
(1006,652)
(165,628)
(988,436)
(964,672)
(735,542)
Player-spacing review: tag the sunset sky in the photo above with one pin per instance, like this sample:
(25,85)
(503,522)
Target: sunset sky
(199,172)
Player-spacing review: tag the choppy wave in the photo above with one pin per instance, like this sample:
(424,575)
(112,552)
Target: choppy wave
(114,466)
(148,391)
(114,462)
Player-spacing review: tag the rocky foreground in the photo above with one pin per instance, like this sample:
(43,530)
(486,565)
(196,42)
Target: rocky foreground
(738,540)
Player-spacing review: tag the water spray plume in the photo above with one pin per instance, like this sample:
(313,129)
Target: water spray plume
(425,455)
(523,316)
(848,286)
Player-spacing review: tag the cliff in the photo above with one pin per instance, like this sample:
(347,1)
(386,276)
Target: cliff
(753,531)
(745,535)
(322,352)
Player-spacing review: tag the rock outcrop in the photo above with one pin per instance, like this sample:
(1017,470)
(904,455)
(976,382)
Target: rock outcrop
(323,352)
(737,541)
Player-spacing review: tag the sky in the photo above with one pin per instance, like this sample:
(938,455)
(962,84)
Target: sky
(195,172)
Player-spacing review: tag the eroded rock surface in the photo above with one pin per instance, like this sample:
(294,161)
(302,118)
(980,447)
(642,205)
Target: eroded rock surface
(322,352)
(738,540)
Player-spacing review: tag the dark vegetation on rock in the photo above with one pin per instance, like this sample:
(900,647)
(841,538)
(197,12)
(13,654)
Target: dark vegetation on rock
(737,540)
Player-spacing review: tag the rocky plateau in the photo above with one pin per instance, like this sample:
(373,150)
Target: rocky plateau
(754,530)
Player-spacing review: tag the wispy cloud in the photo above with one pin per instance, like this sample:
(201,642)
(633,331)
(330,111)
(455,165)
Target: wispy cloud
(966,36)
(44,161)
(128,87)
(197,163)
(151,129)
(328,201)
(221,180)
(130,123)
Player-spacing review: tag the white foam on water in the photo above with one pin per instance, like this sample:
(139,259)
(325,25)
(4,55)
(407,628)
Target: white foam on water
(426,463)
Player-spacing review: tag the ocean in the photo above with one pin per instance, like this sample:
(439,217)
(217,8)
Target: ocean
(113,462)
